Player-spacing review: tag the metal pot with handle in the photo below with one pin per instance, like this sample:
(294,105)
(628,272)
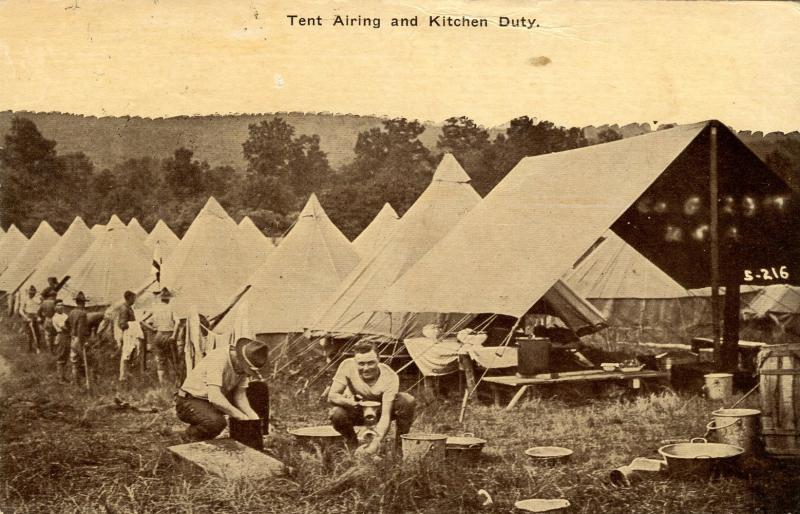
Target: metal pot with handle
(699,458)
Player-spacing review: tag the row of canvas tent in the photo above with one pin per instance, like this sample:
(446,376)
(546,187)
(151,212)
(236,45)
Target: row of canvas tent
(105,261)
(450,254)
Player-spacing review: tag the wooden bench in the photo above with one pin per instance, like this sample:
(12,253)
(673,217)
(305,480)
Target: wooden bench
(522,384)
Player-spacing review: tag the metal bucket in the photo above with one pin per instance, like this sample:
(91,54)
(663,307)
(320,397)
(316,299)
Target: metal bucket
(247,432)
(719,386)
(739,427)
(430,448)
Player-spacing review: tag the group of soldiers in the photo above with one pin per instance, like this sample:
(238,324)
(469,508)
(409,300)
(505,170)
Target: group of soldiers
(67,335)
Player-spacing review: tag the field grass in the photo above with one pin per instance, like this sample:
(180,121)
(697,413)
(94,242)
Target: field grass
(64,451)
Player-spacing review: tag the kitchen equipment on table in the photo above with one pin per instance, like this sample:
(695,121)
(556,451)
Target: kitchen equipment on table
(609,366)
(549,454)
(699,458)
(779,381)
(421,447)
(738,427)
(533,355)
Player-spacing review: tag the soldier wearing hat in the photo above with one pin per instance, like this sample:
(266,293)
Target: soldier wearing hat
(77,326)
(164,323)
(61,344)
(29,309)
(52,288)
(47,308)
(217,386)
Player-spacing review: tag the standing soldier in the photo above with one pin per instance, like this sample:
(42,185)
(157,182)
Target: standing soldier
(126,334)
(62,339)
(164,323)
(29,309)
(51,289)
(77,326)
(46,311)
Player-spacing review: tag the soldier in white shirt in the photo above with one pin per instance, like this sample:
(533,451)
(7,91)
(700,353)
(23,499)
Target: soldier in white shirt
(29,310)
(364,378)
(162,320)
(218,386)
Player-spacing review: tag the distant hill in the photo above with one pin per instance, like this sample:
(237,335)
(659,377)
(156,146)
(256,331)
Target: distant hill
(218,138)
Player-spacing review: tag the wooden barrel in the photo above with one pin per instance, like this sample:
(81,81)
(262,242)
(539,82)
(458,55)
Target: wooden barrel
(779,388)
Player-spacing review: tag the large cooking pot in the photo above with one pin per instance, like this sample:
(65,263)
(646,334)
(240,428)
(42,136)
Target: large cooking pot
(699,458)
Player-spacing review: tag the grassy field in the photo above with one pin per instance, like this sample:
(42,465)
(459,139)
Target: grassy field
(63,451)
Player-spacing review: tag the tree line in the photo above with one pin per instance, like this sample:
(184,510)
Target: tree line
(390,164)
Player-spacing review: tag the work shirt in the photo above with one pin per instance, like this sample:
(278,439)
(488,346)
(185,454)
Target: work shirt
(162,318)
(30,307)
(59,321)
(47,308)
(77,323)
(215,369)
(386,387)
(125,316)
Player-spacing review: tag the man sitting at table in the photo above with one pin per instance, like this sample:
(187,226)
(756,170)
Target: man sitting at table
(364,378)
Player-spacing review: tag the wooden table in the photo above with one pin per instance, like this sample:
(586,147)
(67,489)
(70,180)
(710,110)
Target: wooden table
(634,379)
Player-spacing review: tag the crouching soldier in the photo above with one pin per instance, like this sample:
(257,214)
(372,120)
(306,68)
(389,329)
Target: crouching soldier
(364,378)
(217,386)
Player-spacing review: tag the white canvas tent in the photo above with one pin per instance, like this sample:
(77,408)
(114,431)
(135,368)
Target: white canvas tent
(448,198)
(209,265)
(136,229)
(98,229)
(377,232)
(13,243)
(254,240)
(165,237)
(75,242)
(305,270)
(773,315)
(116,261)
(19,269)
(639,300)
(510,250)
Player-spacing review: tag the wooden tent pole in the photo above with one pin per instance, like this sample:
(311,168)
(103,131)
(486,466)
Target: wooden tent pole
(714,211)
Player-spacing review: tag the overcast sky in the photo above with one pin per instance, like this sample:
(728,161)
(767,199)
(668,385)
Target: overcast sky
(587,63)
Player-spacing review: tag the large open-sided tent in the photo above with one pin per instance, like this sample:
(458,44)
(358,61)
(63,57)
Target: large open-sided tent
(75,242)
(116,261)
(13,242)
(209,265)
(377,232)
(19,269)
(652,190)
(164,236)
(448,198)
(296,277)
